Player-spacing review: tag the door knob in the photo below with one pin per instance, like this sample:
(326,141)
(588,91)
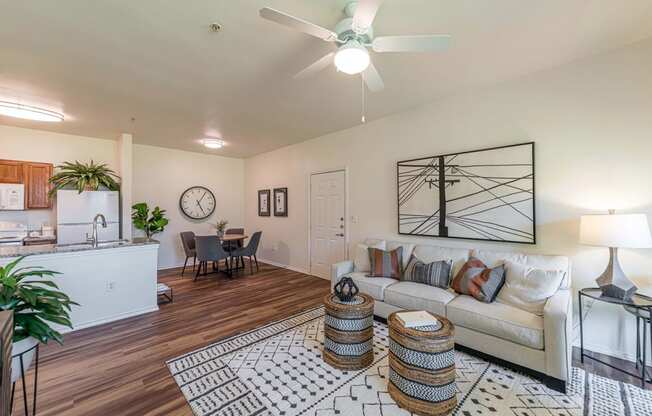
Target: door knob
(339,235)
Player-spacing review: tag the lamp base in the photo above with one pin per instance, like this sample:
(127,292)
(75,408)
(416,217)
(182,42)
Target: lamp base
(613,281)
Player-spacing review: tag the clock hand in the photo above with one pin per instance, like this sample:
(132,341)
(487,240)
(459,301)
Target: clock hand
(202,197)
(200,207)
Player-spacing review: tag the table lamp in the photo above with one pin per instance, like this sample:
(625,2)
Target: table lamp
(615,231)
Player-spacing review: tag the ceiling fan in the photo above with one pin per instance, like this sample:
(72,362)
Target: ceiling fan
(354,36)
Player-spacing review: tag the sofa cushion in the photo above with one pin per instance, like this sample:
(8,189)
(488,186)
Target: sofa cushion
(372,286)
(540,261)
(479,281)
(386,263)
(432,274)
(410,295)
(528,288)
(361,262)
(408,248)
(497,319)
(428,254)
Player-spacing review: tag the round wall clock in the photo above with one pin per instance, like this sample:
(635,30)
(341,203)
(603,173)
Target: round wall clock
(197,202)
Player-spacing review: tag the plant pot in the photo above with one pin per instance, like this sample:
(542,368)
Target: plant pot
(19,348)
(220,234)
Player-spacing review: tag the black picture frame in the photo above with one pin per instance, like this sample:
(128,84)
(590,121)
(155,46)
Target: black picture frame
(261,212)
(281,205)
(493,187)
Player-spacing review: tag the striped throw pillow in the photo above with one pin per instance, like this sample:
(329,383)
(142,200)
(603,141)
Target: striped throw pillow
(435,274)
(479,281)
(386,263)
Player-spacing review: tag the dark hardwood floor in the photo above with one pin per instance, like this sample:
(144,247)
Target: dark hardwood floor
(119,368)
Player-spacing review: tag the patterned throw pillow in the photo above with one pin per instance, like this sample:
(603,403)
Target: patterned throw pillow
(435,274)
(386,263)
(479,281)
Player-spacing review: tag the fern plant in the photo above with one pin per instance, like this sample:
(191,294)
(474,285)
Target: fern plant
(34,302)
(84,177)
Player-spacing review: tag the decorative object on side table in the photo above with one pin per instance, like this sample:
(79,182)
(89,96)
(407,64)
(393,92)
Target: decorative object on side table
(615,231)
(83,177)
(220,226)
(641,306)
(346,289)
(422,366)
(264,203)
(34,303)
(349,332)
(149,224)
(280,202)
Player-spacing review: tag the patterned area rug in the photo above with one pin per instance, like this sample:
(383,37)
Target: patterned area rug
(278,370)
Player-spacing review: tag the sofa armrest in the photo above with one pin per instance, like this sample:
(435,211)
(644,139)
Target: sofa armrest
(340,269)
(557,327)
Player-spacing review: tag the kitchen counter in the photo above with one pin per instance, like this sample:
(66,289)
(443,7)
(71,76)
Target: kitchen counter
(113,281)
(18,251)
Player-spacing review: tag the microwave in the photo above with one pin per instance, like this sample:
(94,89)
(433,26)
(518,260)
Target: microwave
(12,196)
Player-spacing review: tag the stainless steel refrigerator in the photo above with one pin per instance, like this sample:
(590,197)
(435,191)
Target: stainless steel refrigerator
(75,213)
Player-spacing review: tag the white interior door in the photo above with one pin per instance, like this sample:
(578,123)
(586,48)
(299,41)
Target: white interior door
(327,222)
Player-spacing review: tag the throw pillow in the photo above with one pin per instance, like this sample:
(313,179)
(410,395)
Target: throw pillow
(528,288)
(479,281)
(361,262)
(386,263)
(435,274)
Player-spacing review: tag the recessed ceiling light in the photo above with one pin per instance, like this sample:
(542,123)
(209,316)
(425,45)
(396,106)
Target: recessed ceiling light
(213,143)
(28,112)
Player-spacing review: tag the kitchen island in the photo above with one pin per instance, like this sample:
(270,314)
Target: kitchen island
(110,281)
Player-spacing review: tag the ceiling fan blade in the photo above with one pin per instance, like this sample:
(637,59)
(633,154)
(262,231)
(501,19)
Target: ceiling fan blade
(372,78)
(320,65)
(415,43)
(298,24)
(365,13)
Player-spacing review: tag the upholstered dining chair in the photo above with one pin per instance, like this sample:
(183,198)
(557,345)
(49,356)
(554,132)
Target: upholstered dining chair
(233,245)
(188,243)
(209,250)
(250,250)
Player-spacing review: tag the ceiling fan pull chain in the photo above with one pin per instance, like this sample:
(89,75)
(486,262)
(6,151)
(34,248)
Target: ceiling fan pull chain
(364,101)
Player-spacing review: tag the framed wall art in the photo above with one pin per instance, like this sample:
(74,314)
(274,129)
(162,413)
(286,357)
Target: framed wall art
(280,202)
(264,203)
(486,194)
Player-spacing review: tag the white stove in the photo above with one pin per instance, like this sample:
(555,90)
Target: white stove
(12,234)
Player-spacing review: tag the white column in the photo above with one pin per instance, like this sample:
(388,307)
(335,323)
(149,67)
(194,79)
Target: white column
(126,161)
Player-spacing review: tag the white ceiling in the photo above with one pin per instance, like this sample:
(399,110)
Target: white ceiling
(104,62)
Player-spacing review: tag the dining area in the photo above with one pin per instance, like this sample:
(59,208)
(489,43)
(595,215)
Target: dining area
(229,253)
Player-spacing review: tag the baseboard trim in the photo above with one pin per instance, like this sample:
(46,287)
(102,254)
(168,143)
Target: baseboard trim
(285,266)
(113,318)
(611,353)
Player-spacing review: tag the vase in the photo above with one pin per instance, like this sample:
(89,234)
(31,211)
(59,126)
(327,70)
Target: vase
(18,348)
(220,234)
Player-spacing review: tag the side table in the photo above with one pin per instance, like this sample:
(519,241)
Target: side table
(638,303)
(349,332)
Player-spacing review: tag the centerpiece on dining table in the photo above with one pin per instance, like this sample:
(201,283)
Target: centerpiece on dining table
(220,226)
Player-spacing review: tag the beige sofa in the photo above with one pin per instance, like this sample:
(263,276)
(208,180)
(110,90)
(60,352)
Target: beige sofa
(539,344)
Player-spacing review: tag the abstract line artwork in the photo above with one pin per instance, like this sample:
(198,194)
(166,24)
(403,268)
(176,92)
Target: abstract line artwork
(486,194)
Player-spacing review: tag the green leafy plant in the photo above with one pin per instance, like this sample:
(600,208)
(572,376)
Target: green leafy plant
(83,177)
(151,224)
(221,226)
(34,302)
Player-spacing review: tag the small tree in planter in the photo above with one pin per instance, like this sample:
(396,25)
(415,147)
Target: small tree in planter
(34,303)
(151,224)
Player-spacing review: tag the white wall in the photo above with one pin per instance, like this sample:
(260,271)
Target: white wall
(593,131)
(161,175)
(47,147)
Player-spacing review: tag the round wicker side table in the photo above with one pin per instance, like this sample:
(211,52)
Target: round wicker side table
(349,332)
(422,367)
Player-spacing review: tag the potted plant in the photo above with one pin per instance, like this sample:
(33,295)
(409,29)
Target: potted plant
(150,224)
(35,303)
(220,226)
(83,177)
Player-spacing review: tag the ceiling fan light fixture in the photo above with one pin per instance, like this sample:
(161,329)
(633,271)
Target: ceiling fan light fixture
(28,112)
(352,58)
(213,143)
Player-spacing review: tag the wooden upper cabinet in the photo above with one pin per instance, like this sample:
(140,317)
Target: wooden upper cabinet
(11,171)
(37,185)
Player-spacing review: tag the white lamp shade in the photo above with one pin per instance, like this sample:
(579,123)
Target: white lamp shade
(615,230)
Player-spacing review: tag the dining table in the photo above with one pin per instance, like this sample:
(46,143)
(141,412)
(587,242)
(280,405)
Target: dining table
(227,238)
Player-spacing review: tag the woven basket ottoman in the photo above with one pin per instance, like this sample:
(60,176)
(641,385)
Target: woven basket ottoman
(422,367)
(349,332)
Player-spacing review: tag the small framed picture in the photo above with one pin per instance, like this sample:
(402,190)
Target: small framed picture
(280,202)
(264,203)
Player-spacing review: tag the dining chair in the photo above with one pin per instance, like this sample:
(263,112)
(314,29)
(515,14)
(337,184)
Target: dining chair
(250,250)
(209,249)
(188,243)
(232,245)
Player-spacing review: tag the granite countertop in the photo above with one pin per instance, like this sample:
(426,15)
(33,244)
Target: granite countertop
(17,251)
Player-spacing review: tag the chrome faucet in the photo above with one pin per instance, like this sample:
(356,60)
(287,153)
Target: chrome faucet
(93,238)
